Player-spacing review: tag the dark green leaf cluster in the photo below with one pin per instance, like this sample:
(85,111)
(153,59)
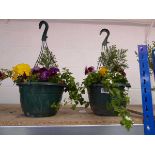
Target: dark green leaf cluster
(119,102)
(93,78)
(112,78)
(73,88)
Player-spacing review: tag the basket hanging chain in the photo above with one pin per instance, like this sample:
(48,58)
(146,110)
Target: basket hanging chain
(44,46)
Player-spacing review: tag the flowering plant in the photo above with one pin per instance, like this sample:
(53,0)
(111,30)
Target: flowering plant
(112,76)
(48,71)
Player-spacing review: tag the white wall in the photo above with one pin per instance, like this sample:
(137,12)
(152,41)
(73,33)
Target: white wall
(75,45)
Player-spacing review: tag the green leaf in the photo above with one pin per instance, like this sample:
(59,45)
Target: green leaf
(47,59)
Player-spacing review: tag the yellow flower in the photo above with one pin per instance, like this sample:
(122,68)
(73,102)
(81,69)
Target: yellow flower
(103,71)
(20,69)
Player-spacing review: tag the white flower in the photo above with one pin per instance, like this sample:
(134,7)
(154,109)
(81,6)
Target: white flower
(110,81)
(117,73)
(128,118)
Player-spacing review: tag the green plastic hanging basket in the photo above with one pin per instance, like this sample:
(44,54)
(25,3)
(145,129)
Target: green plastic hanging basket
(40,99)
(100,100)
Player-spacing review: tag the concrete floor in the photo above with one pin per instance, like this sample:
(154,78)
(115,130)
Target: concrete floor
(11,115)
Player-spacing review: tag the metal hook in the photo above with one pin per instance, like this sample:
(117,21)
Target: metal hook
(105,42)
(44,36)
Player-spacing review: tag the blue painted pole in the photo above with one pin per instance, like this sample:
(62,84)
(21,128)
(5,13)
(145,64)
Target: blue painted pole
(148,117)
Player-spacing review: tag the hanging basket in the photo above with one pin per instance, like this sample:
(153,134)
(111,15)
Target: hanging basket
(40,99)
(100,100)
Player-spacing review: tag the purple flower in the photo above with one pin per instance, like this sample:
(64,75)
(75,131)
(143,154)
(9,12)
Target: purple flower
(43,69)
(2,75)
(35,70)
(43,73)
(89,70)
(44,76)
(53,71)
(24,76)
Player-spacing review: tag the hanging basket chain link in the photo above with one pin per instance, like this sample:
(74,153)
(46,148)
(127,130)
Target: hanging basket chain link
(43,48)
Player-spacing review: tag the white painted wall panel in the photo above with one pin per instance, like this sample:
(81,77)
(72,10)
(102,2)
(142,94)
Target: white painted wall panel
(75,45)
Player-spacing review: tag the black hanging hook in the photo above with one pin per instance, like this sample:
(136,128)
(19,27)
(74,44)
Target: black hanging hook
(44,36)
(105,41)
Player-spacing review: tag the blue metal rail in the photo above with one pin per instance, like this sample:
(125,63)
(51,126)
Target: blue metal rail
(148,117)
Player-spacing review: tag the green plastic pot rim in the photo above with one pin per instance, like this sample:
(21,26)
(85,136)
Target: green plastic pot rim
(41,83)
(117,85)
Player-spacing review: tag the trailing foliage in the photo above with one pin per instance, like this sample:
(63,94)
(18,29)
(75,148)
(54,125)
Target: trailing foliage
(73,88)
(112,76)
